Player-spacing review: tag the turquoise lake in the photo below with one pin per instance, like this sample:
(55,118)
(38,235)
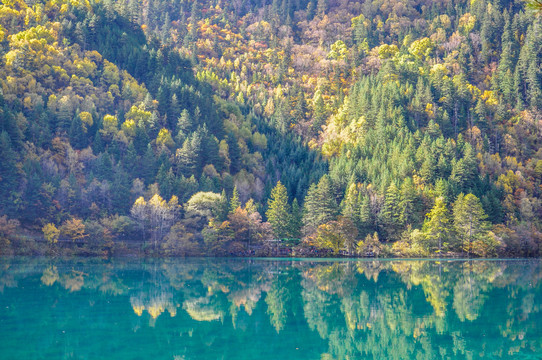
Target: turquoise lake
(240,309)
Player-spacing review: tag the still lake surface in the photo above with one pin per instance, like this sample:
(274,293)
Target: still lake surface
(240,309)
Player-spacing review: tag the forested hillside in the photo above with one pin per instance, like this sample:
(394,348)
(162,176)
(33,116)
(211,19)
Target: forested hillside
(405,128)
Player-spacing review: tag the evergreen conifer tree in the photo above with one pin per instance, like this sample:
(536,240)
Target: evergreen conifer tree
(391,212)
(235,203)
(278,212)
(437,227)
(8,171)
(469,220)
(296,220)
(78,138)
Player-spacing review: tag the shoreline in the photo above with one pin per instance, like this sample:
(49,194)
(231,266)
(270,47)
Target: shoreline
(35,247)
(31,243)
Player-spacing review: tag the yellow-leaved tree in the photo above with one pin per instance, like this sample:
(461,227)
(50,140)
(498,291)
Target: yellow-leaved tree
(74,229)
(51,233)
(110,126)
(164,138)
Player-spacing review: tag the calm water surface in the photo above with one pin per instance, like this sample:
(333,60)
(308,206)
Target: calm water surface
(264,309)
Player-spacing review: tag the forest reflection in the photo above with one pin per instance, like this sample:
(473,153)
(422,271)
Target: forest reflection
(352,309)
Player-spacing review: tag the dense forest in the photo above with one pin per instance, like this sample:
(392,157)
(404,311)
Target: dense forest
(308,127)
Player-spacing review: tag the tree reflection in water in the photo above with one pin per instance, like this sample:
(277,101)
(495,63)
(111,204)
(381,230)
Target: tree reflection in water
(197,308)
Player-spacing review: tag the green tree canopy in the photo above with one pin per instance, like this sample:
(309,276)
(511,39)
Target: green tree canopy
(278,212)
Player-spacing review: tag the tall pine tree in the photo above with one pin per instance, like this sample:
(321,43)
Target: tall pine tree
(278,212)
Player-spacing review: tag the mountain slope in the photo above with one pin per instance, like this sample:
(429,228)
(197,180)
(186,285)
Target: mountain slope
(402,127)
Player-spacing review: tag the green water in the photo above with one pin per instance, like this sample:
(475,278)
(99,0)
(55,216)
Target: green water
(265,309)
